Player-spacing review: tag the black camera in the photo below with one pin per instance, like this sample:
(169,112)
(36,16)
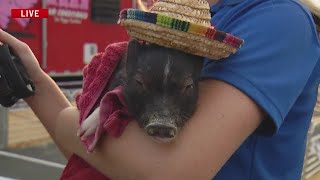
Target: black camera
(15,83)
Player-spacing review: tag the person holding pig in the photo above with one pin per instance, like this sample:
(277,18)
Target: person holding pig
(253,113)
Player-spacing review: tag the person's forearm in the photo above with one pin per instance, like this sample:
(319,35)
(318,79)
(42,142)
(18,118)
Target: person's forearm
(47,103)
(224,118)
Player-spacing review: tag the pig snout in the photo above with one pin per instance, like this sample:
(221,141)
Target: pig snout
(162,132)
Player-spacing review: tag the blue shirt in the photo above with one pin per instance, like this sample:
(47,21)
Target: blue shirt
(278,67)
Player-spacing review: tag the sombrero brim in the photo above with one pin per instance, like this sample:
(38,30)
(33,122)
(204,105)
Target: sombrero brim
(182,35)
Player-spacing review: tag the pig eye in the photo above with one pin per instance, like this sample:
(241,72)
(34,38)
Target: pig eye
(188,87)
(138,78)
(189,84)
(140,83)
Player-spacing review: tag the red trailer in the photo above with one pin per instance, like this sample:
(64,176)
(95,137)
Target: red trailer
(75,30)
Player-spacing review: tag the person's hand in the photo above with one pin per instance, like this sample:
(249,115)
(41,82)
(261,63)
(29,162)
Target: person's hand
(26,55)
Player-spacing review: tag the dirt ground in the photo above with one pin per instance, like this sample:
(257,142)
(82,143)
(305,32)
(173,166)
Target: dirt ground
(316,122)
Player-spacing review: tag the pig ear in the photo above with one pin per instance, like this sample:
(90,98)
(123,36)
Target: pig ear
(133,51)
(135,46)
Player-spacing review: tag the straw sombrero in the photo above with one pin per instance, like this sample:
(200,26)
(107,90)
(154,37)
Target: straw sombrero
(180,24)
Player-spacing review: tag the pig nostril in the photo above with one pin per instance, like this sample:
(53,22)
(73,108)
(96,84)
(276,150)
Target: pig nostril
(172,133)
(151,131)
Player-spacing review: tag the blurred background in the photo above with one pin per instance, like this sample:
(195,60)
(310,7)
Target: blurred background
(64,43)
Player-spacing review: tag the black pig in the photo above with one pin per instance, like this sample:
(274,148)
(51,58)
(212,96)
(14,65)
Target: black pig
(160,86)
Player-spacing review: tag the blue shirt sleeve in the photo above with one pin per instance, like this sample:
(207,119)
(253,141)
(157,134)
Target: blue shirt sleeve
(280,53)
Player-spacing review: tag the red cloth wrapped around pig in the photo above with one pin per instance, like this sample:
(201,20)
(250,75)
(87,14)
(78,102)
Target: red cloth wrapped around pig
(113,112)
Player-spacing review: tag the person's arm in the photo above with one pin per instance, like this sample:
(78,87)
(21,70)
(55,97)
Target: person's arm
(48,101)
(47,104)
(224,118)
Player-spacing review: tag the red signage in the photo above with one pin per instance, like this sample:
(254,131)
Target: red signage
(29,13)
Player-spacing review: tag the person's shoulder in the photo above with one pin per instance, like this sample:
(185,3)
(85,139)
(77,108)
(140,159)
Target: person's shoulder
(285,14)
(290,6)
(267,21)
(291,11)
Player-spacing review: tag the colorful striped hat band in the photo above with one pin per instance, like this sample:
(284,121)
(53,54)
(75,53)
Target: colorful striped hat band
(180,24)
